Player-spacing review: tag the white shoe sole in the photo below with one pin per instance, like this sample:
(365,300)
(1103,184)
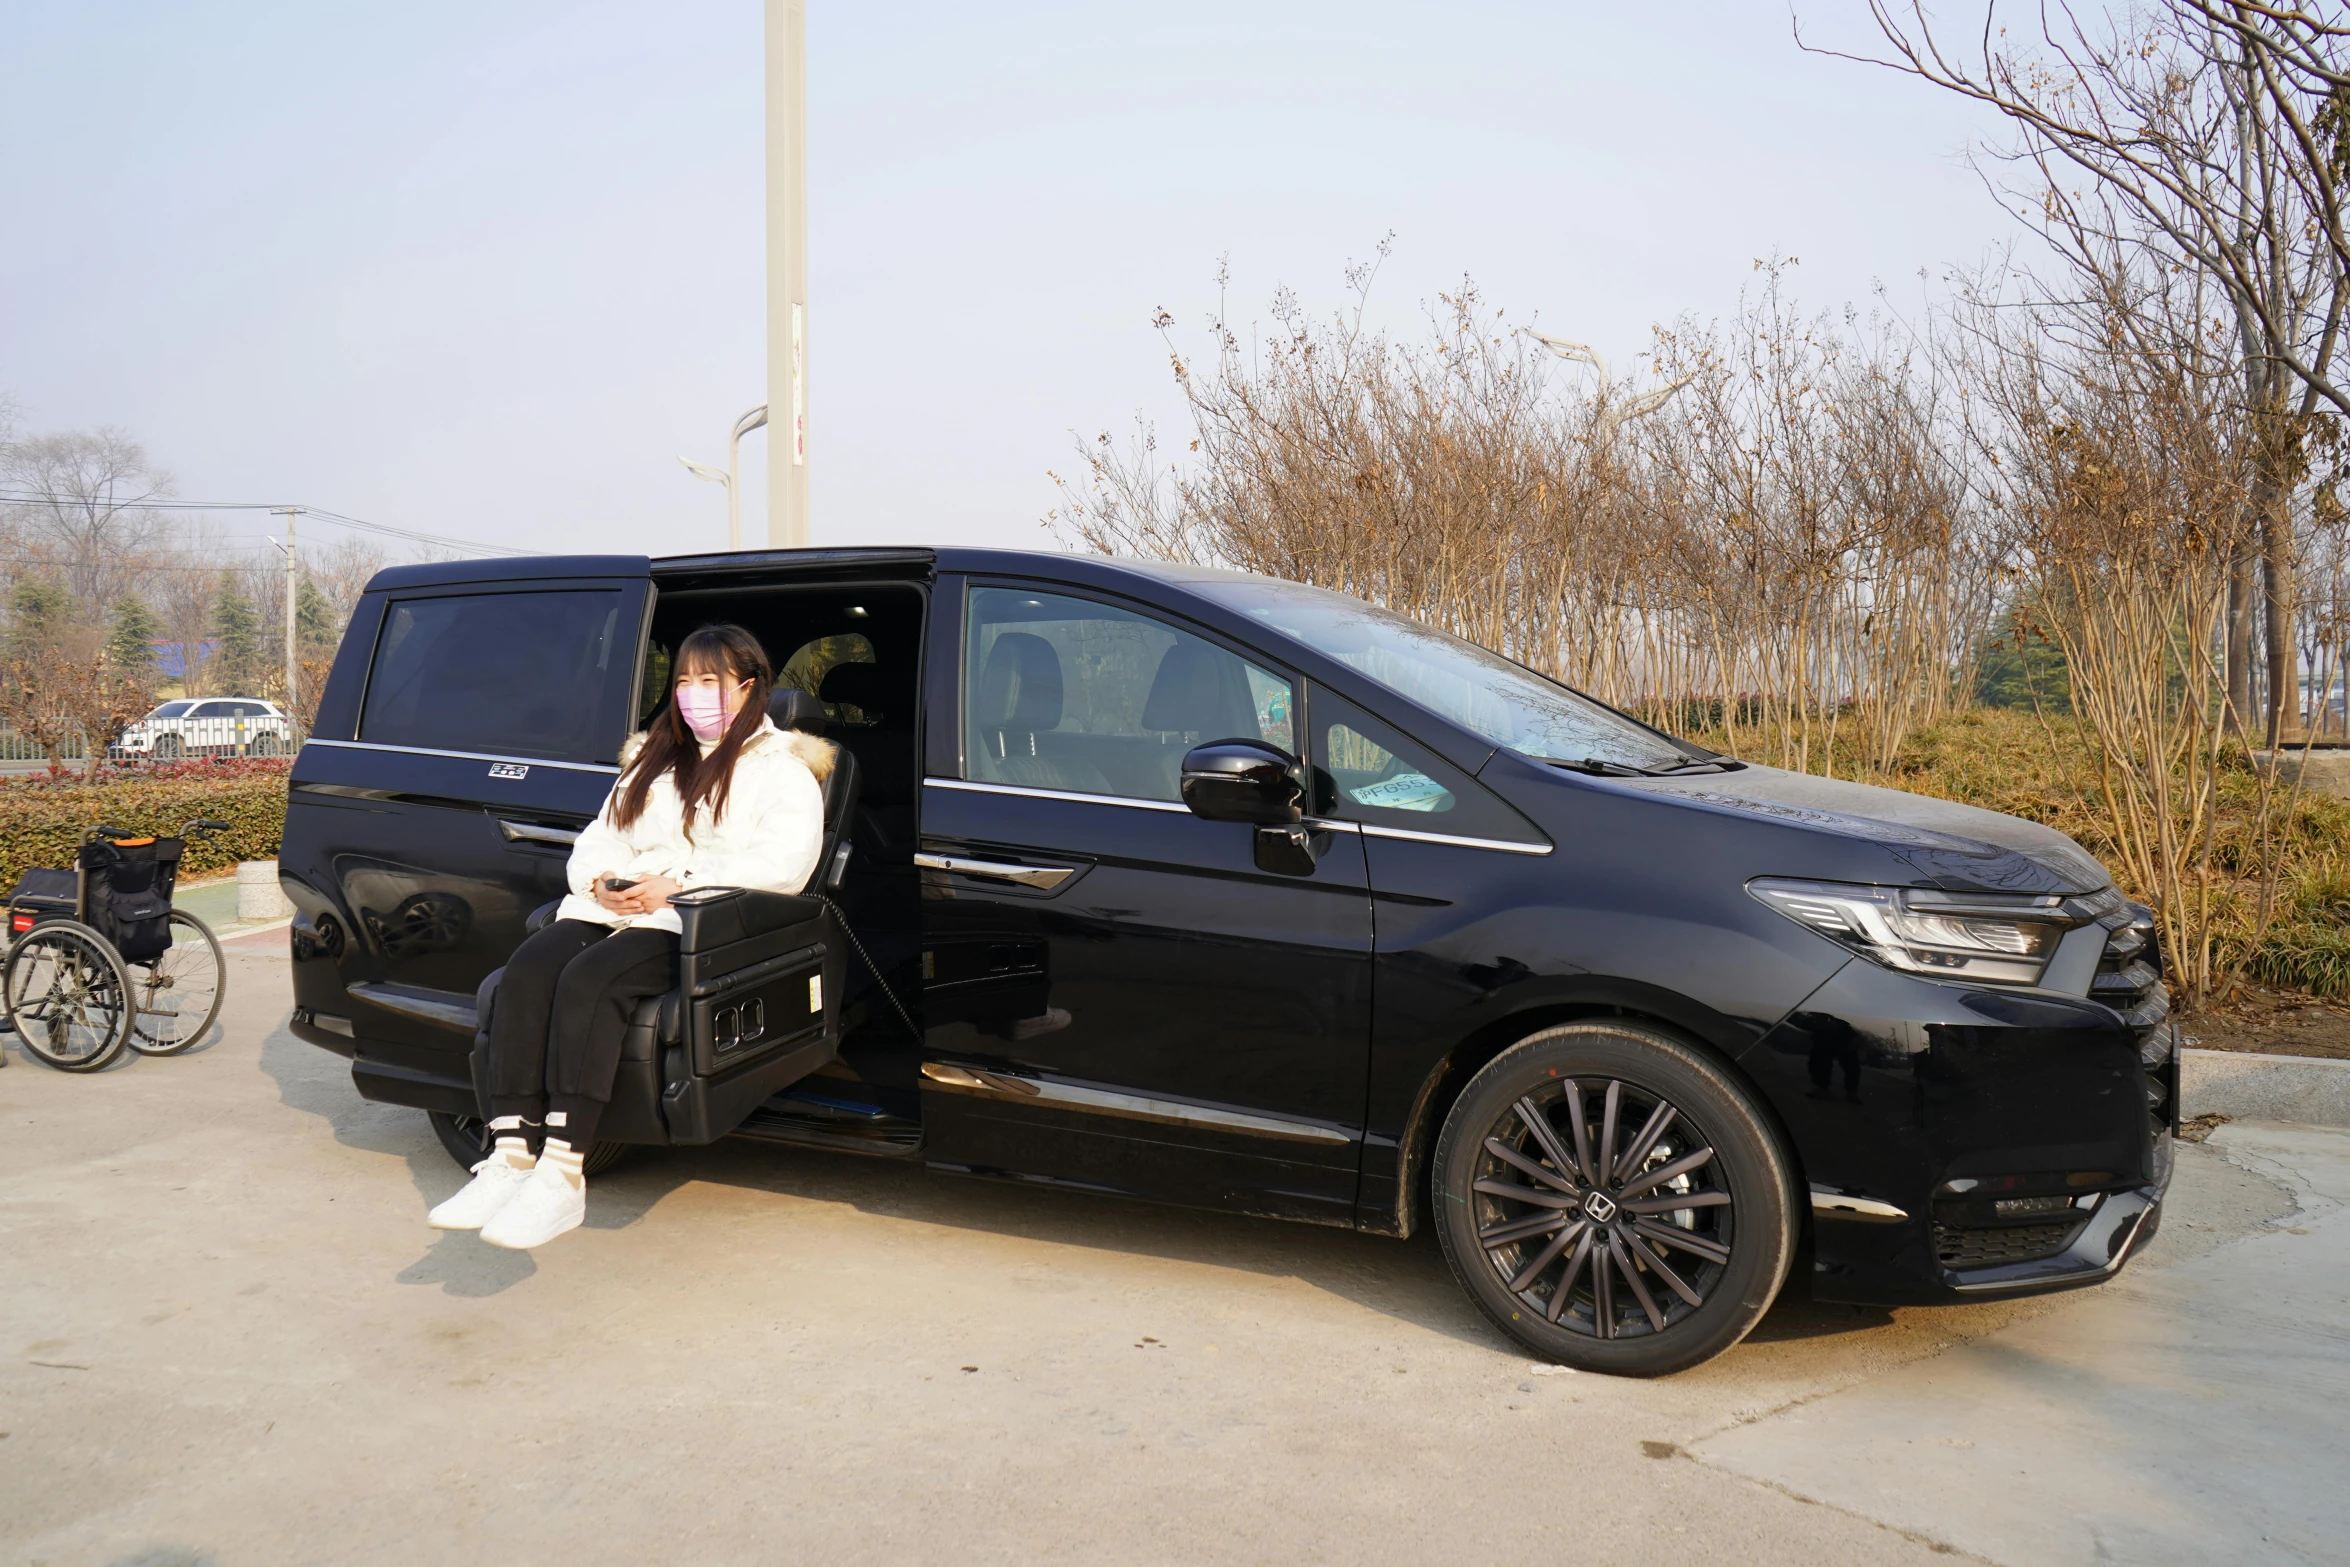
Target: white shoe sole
(571,1221)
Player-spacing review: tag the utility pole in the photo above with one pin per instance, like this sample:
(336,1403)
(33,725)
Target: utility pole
(293,666)
(787,273)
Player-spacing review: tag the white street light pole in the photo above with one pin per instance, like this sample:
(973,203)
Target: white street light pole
(1636,408)
(787,272)
(731,475)
(293,665)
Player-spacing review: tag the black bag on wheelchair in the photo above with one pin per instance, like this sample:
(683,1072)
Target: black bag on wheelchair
(130,882)
(40,896)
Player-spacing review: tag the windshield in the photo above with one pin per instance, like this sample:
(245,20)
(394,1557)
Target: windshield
(1478,690)
(172,710)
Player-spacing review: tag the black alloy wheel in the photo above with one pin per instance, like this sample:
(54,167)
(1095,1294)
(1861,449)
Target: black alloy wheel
(468,1142)
(1614,1200)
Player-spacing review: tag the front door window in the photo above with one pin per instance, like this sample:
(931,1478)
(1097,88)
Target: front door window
(1080,696)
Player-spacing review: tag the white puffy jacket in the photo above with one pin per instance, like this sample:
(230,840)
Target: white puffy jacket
(769,838)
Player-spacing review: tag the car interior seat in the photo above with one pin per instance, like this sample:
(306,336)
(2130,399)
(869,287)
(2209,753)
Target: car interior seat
(1189,705)
(1019,699)
(655,1049)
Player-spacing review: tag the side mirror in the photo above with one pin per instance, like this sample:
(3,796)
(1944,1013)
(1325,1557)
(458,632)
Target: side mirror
(1243,781)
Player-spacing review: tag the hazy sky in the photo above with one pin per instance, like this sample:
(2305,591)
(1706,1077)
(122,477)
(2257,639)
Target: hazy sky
(485,269)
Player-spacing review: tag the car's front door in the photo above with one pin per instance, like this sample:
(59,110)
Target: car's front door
(1118,995)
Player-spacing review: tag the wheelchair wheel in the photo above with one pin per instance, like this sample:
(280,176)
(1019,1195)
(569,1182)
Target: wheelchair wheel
(175,998)
(68,996)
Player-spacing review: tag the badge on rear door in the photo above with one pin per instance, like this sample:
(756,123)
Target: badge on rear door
(509,770)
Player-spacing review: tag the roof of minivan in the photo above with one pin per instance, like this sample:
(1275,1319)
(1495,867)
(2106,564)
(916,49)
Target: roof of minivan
(1060,563)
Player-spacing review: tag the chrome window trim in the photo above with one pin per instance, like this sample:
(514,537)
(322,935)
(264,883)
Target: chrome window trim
(1320,824)
(466,756)
(952,1078)
(1499,845)
(1024,792)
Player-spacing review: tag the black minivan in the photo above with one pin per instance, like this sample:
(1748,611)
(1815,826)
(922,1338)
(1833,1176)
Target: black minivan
(1211,888)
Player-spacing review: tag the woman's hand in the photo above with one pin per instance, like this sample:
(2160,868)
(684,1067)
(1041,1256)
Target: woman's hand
(649,896)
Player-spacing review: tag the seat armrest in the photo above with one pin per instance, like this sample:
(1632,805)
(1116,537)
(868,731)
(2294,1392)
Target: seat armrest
(712,917)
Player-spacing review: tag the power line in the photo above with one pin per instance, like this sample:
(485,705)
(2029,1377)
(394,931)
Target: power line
(436,540)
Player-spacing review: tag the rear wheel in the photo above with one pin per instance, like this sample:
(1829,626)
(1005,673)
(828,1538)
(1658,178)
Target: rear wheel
(1614,1200)
(468,1142)
(167,748)
(68,996)
(176,997)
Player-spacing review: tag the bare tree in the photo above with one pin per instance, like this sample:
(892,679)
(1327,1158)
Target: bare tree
(80,501)
(2206,135)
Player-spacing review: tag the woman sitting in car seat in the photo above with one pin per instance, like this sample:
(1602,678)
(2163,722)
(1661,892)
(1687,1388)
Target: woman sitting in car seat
(711,795)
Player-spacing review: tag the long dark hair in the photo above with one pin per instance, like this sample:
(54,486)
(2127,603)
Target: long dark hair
(733,655)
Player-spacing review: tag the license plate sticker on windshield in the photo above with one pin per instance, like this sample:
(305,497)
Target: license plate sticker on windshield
(509,770)
(1405,792)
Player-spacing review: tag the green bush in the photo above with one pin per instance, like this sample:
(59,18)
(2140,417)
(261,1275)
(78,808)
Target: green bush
(41,818)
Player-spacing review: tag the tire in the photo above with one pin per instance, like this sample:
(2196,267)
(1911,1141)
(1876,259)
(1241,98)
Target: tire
(176,998)
(1598,1286)
(167,748)
(467,1143)
(67,996)
(264,745)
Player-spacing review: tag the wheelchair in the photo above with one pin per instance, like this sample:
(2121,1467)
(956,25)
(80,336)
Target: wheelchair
(98,959)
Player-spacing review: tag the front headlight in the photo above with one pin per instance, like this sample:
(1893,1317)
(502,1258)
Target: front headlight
(2001,938)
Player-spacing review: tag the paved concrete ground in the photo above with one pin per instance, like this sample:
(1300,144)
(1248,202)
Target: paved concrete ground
(226,1336)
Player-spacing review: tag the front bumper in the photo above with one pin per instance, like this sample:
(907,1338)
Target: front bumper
(1962,1143)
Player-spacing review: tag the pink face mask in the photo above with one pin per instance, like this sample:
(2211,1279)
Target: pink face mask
(704,710)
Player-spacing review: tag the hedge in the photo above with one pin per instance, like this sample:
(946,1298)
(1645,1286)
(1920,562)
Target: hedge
(42,817)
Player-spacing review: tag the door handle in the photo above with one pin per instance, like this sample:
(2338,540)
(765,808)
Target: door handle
(532,832)
(1042,877)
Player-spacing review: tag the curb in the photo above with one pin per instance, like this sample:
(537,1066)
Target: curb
(2307,1089)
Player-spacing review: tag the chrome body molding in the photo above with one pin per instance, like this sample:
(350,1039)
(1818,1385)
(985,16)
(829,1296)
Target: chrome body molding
(1135,1107)
(1867,1210)
(465,756)
(533,832)
(1043,877)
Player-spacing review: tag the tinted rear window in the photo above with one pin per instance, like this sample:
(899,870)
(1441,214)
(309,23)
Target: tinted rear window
(508,674)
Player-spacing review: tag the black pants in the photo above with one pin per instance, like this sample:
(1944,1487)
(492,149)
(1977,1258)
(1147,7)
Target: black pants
(562,1008)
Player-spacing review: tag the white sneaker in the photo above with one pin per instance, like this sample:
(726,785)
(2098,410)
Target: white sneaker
(495,1183)
(548,1205)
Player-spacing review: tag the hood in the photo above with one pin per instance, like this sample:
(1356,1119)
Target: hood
(1960,848)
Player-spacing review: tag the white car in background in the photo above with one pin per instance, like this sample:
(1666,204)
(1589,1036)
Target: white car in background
(208,726)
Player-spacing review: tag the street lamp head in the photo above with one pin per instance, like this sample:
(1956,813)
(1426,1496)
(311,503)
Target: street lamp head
(1581,352)
(703,470)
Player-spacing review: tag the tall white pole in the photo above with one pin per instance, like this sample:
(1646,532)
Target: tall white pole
(293,666)
(787,273)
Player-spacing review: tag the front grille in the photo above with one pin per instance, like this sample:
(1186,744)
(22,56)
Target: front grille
(1988,1246)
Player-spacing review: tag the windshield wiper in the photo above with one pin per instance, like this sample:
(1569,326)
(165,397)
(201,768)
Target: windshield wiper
(1607,769)
(1601,766)
(1711,764)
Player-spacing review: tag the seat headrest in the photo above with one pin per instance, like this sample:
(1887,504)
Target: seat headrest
(859,685)
(1020,685)
(1185,693)
(792,708)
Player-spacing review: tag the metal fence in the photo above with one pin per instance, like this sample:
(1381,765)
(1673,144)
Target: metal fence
(15,747)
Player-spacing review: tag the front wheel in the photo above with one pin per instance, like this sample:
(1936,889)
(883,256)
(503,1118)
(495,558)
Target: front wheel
(468,1141)
(67,996)
(167,748)
(1614,1200)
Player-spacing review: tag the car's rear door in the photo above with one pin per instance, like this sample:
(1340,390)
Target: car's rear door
(470,729)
